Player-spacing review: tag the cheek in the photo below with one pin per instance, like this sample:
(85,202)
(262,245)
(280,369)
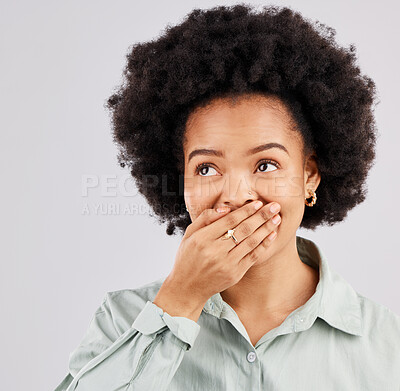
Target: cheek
(292,215)
(197,205)
(197,192)
(198,198)
(292,210)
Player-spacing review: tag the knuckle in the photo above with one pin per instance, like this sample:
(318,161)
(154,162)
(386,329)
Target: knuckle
(231,220)
(253,257)
(225,272)
(231,277)
(245,229)
(264,243)
(238,275)
(196,243)
(206,213)
(251,242)
(250,209)
(208,254)
(229,281)
(264,214)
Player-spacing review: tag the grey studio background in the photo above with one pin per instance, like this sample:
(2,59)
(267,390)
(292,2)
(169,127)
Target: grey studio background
(63,248)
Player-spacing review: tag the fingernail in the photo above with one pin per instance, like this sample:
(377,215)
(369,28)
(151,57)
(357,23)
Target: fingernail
(258,205)
(222,210)
(272,236)
(276,219)
(275,208)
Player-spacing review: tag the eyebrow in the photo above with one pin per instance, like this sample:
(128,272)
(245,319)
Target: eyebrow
(213,152)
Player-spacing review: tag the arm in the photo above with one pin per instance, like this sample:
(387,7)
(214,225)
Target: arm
(144,356)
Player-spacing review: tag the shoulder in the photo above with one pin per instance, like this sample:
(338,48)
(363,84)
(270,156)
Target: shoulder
(124,305)
(375,313)
(381,325)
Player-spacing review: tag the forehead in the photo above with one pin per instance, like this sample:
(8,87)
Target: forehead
(241,123)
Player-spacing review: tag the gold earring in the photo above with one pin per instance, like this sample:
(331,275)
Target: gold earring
(314,198)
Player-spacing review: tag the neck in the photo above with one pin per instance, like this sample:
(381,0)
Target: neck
(277,285)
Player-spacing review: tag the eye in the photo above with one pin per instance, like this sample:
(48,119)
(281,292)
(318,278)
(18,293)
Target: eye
(201,167)
(267,162)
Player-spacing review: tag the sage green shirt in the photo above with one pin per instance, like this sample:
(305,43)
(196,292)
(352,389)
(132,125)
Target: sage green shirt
(338,340)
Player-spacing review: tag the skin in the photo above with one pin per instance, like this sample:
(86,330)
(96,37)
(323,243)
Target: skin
(281,282)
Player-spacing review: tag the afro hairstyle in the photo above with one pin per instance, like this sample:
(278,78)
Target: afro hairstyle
(228,51)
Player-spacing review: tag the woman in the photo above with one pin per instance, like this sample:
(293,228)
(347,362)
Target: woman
(235,107)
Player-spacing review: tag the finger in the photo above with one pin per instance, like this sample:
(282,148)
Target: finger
(247,246)
(247,227)
(258,254)
(232,219)
(205,218)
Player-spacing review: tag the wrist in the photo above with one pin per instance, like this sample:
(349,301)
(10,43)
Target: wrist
(175,302)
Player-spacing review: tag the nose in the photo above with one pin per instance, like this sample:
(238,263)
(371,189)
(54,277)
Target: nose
(236,192)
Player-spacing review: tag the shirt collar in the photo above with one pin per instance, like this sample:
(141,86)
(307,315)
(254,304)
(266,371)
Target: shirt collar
(334,300)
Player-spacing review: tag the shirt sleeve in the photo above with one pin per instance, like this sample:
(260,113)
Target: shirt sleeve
(144,357)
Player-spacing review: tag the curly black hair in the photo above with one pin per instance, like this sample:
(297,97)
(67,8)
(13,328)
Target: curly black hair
(228,51)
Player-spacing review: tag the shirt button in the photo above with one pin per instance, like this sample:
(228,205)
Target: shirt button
(251,356)
(301,319)
(212,305)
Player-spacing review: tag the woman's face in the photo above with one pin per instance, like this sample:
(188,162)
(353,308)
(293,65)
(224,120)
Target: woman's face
(227,142)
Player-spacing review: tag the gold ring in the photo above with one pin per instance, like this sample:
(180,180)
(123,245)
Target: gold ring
(230,234)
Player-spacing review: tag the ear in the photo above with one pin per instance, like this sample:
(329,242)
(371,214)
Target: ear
(312,176)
